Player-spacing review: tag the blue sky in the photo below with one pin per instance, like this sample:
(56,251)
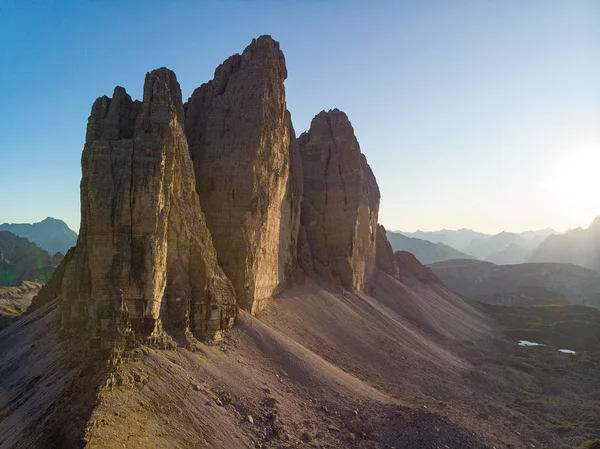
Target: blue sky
(480,114)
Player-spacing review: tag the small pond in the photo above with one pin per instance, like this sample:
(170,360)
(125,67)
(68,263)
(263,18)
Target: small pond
(566,351)
(529,343)
(533,343)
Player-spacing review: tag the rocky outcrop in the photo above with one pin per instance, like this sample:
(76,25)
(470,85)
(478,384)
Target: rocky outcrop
(144,256)
(245,158)
(386,260)
(410,267)
(340,202)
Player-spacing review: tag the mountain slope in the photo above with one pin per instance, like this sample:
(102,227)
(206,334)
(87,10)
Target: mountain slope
(314,365)
(512,254)
(15,300)
(21,260)
(426,251)
(578,246)
(521,284)
(409,365)
(50,234)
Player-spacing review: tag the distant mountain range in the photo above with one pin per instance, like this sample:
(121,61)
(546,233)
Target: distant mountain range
(424,250)
(502,248)
(50,234)
(577,246)
(22,260)
(522,284)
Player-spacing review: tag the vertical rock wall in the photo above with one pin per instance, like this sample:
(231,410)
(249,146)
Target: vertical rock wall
(340,202)
(143,236)
(243,147)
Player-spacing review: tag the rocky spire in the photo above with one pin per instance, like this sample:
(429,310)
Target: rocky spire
(386,261)
(340,202)
(248,171)
(143,236)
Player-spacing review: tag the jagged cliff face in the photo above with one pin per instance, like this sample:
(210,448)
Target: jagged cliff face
(144,249)
(145,264)
(386,260)
(340,202)
(243,147)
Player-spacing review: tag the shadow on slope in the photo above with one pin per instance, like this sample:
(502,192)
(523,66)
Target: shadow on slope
(267,387)
(47,391)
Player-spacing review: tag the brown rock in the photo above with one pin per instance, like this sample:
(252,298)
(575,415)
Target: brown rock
(245,158)
(410,267)
(386,260)
(340,201)
(142,230)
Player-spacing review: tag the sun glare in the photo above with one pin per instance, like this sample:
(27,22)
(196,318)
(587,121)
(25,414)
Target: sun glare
(571,182)
(574,175)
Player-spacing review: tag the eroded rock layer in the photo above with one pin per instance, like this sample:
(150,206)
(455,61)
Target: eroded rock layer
(340,201)
(243,147)
(144,256)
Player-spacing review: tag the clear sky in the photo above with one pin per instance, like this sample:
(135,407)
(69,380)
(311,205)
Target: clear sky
(479,114)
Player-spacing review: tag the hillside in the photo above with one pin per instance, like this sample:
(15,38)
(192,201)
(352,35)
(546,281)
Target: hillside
(50,234)
(426,251)
(14,301)
(21,260)
(577,246)
(521,284)
(408,366)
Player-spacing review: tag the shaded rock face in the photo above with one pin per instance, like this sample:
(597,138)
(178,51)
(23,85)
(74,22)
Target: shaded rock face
(386,260)
(247,170)
(410,267)
(143,247)
(340,202)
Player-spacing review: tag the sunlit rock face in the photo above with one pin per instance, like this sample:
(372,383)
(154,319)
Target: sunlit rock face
(248,171)
(340,202)
(144,256)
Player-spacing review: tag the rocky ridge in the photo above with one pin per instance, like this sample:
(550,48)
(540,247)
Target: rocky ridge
(50,234)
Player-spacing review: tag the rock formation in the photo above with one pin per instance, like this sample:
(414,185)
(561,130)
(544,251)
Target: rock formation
(340,202)
(410,267)
(143,245)
(386,260)
(163,182)
(243,147)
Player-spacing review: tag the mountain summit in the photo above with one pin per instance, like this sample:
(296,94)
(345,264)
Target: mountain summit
(50,234)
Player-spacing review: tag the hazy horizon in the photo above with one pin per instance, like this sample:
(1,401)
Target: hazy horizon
(472,115)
